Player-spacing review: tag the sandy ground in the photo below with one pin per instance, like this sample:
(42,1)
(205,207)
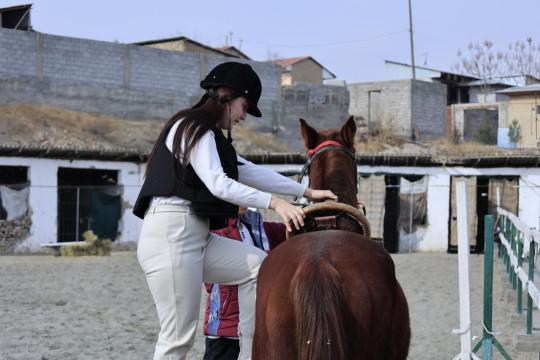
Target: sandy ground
(100,307)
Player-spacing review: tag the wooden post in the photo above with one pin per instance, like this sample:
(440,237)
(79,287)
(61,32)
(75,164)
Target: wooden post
(464,274)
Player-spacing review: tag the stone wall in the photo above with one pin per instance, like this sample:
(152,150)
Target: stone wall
(12,233)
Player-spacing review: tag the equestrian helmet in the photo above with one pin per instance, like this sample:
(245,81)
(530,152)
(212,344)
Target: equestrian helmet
(239,77)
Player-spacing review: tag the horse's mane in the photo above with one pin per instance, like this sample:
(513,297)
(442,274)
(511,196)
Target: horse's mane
(333,170)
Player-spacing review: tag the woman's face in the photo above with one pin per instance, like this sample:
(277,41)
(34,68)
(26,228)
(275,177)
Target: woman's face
(238,111)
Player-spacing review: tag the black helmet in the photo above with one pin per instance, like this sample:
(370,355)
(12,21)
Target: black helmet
(239,77)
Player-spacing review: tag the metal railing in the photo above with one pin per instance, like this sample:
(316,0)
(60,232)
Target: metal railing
(514,234)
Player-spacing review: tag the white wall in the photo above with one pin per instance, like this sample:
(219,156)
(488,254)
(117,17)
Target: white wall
(43,196)
(529,198)
(438,214)
(433,237)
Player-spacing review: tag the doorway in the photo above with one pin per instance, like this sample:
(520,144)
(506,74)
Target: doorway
(88,199)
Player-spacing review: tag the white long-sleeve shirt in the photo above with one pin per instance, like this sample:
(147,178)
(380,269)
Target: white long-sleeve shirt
(254,185)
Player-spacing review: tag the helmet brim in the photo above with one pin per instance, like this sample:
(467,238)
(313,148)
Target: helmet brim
(253,110)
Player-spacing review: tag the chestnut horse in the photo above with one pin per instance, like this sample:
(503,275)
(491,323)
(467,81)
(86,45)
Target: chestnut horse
(330,294)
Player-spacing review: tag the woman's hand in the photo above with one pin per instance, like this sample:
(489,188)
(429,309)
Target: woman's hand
(288,212)
(321,195)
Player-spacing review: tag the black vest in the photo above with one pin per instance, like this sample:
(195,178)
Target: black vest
(161,181)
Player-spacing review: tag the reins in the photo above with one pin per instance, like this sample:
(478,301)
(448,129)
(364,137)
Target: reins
(327,145)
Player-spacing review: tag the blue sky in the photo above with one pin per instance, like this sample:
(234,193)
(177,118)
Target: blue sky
(352,39)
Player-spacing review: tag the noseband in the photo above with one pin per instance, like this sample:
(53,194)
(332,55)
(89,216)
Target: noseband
(327,145)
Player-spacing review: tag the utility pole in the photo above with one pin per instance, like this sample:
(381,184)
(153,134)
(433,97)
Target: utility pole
(412,47)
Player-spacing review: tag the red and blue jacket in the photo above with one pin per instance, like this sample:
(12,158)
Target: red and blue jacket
(221,318)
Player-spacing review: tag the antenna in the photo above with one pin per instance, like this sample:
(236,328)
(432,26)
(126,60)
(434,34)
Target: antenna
(425,55)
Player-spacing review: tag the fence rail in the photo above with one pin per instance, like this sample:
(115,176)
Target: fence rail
(514,235)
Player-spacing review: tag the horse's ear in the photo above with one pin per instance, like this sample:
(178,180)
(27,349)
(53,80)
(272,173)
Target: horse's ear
(309,134)
(348,131)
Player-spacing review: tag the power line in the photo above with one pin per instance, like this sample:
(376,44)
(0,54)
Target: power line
(329,44)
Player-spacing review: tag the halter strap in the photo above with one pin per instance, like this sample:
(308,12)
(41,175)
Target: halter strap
(312,154)
(323,144)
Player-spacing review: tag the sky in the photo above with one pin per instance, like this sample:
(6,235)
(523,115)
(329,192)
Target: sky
(351,39)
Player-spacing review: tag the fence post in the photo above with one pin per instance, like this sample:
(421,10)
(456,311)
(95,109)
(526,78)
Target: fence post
(508,235)
(530,304)
(488,339)
(520,265)
(464,277)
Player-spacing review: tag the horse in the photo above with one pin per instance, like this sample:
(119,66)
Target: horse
(330,294)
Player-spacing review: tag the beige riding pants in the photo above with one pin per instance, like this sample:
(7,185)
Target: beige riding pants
(178,254)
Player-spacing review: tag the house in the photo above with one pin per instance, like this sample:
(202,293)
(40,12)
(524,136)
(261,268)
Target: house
(419,109)
(234,51)
(524,107)
(184,44)
(16,17)
(302,69)
(412,108)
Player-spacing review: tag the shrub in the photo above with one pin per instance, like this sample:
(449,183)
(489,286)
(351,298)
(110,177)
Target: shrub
(92,245)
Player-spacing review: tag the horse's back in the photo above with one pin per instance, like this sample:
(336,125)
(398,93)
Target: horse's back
(329,267)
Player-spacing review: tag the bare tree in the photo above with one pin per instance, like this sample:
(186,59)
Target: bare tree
(481,62)
(523,58)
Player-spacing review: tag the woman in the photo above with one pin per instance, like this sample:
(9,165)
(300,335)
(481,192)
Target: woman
(194,182)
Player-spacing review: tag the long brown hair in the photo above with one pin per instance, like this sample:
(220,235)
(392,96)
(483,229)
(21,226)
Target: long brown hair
(196,121)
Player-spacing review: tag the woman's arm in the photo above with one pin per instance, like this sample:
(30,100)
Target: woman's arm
(204,159)
(268,180)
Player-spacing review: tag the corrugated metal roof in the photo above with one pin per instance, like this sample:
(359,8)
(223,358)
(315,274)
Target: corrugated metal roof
(534,88)
(524,159)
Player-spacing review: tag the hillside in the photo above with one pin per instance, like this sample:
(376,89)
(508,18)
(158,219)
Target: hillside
(56,127)
(48,126)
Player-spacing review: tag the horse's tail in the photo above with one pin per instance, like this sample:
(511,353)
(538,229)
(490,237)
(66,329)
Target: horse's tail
(319,308)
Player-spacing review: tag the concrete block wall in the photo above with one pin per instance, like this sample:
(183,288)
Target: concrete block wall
(114,79)
(401,107)
(18,53)
(322,106)
(428,110)
(72,60)
(383,106)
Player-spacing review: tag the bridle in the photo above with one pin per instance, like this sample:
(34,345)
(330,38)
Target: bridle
(327,145)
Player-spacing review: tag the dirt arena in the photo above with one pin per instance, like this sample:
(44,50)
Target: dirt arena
(100,308)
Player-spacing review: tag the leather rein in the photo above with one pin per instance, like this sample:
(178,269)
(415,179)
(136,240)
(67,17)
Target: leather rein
(327,145)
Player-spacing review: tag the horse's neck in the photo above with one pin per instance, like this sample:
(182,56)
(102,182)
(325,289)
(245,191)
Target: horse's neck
(344,189)
(334,172)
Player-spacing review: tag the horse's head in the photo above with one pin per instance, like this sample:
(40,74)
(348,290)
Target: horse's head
(333,163)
